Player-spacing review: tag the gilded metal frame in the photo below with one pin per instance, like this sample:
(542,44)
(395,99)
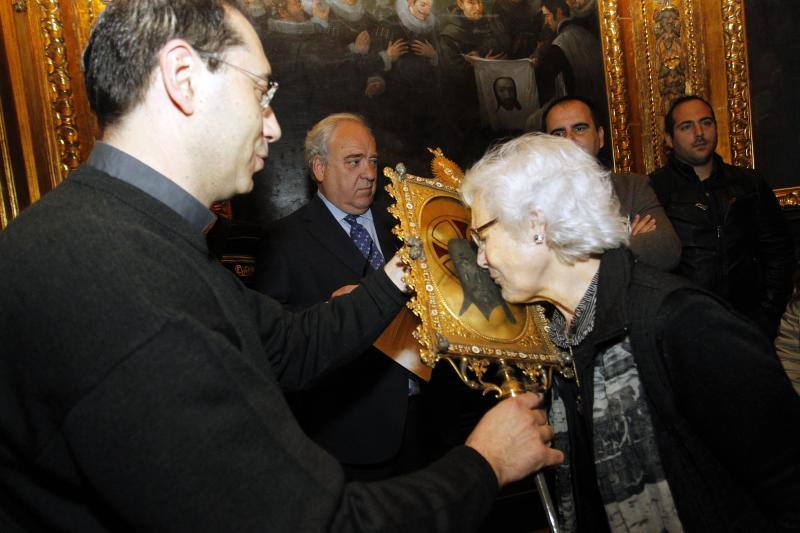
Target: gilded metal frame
(470,344)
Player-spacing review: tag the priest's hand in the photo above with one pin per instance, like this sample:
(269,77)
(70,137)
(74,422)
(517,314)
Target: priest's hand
(513,437)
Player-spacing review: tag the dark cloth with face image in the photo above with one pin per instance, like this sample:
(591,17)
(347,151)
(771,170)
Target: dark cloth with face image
(717,397)
(734,237)
(141,388)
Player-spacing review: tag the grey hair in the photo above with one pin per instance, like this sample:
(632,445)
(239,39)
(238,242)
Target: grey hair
(550,180)
(318,137)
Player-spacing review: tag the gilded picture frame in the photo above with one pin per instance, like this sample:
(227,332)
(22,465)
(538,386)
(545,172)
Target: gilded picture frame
(464,319)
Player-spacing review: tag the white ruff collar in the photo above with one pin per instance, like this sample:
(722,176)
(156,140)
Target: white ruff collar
(411,22)
(346,11)
(288,27)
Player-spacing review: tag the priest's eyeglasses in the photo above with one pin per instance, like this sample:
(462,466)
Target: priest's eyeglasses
(265,93)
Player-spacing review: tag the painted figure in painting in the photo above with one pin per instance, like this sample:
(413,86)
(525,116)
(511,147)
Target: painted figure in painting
(410,101)
(466,33)
(522,20)
(505,92)
(572,64)
(584,12)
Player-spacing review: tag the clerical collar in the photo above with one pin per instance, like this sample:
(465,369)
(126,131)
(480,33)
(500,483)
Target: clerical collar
(411,22)
(127,168)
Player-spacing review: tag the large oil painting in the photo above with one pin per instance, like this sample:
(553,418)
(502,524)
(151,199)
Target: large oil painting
(424,73)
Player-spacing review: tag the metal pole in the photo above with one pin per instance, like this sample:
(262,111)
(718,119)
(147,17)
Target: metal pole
(512,387)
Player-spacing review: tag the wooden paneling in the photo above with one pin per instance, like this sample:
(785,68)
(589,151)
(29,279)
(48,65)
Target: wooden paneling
(47,128)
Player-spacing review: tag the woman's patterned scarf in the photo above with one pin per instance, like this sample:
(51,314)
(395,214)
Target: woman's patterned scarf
(630,478)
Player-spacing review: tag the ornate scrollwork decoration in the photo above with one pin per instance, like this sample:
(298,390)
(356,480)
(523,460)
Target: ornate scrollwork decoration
(738,83)
(670,54)
(645,64)
(615,81)
(788,198)
(60,87)
(695,56)
(90,12)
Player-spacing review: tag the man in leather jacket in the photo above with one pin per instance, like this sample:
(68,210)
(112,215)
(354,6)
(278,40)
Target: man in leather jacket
(734,238)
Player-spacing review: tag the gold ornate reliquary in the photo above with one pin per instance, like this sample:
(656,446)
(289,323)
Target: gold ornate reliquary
(493,345)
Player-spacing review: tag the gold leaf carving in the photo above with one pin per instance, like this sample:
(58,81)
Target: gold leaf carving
(60,86)
(670,56)
(738,83)
(788,197)
(615,81)
(646,68)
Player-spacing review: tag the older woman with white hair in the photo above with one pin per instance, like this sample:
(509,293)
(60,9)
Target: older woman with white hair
(681,417)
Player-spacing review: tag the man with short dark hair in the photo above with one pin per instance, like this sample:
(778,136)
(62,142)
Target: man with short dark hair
(735,241)
(653,240)
(140,381)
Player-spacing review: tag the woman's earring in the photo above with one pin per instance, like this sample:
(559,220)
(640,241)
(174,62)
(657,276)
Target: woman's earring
(538,238)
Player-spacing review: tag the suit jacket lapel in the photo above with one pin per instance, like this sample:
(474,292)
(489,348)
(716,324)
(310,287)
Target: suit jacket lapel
(321,224)
(384,222)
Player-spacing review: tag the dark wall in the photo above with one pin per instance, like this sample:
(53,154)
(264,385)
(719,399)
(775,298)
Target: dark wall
(774,49)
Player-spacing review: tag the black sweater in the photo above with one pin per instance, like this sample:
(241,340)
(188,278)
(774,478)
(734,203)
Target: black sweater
(140,385)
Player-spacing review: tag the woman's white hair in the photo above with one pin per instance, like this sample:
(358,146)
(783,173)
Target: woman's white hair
(548,179)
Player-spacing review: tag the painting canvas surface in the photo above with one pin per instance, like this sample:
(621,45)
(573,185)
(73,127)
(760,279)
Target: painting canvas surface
(408,76)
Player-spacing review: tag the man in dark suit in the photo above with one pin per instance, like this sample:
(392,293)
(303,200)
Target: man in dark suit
(366,414)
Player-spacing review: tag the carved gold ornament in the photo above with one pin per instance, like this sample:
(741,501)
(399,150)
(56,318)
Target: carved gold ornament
(62,108)
(495,347)
(464,320)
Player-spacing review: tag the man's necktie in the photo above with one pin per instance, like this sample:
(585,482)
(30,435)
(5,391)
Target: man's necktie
(364,242)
